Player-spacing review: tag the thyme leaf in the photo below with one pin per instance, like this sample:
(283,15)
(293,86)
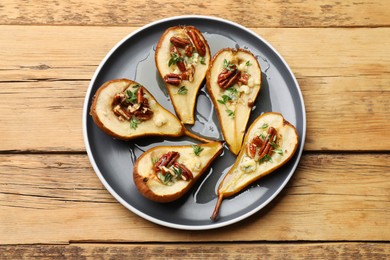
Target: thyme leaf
(175,58)
(232,92)
(134,123)
(264,126)
(265,158)
(230,113)
(278,151)
(224,100)
(165,178)
(197,149)
(178,172)
(131,96)
(227,65)
(182,90)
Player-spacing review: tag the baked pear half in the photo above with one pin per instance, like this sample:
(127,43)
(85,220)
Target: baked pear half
(270,142)
(233,82)
(165,173)
(125,109)
(182,59)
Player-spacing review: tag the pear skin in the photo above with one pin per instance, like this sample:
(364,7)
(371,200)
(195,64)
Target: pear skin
(270,142)
(182,58)
(233,82)
(157,181)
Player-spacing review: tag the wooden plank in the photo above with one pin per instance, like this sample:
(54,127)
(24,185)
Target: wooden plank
(74,52)
(345,84)
(60,198)
(305,13)
(43,116)
(200,251)
(52,112)
(54,53)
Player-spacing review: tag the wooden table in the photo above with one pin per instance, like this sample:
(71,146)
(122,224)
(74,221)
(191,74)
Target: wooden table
(336,205)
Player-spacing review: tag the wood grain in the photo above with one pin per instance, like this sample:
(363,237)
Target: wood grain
(341,250)
(58,198)
(337,205)
(305,13)
(344,75)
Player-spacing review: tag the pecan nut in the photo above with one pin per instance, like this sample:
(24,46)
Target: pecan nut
(189,74)
(118,98)
(166,160)
(125,109)
(140,95)
(121,112)
(189,50)
(251,150)
(197,41)
(181,65)
(186,174)
(244,78)
(262,148)
(253,146)
(228,77)
(179,42)
(266,147)
(173,79)
(143,114)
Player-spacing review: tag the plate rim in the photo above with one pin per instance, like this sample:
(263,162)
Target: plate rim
(152,219)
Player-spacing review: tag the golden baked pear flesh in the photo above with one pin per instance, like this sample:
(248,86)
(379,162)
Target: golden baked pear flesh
(233,81)
(182,58)
(270,142)
(126,110)
(166,173)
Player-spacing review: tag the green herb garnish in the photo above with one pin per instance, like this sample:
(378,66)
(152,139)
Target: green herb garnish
(265,158)
(165,178)
(224,100)
(134,123)
(232,92)
(202,60)
(248,63)
(227,65)
(278,151)
(178,172)
(175,58)
(273,145)
(197,149)
(182,90)
(230,113)
(264,126)
(131,97)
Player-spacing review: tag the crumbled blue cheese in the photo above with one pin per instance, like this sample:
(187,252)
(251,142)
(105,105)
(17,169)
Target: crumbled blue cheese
(159,120)
(248,165)
(245,89)
(243,67)
(152,104)
(194,59)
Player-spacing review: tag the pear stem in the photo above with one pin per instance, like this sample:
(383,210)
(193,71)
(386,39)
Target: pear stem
(196,137)
(216,210)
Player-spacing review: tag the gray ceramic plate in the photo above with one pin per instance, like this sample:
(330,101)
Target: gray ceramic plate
(113,160)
